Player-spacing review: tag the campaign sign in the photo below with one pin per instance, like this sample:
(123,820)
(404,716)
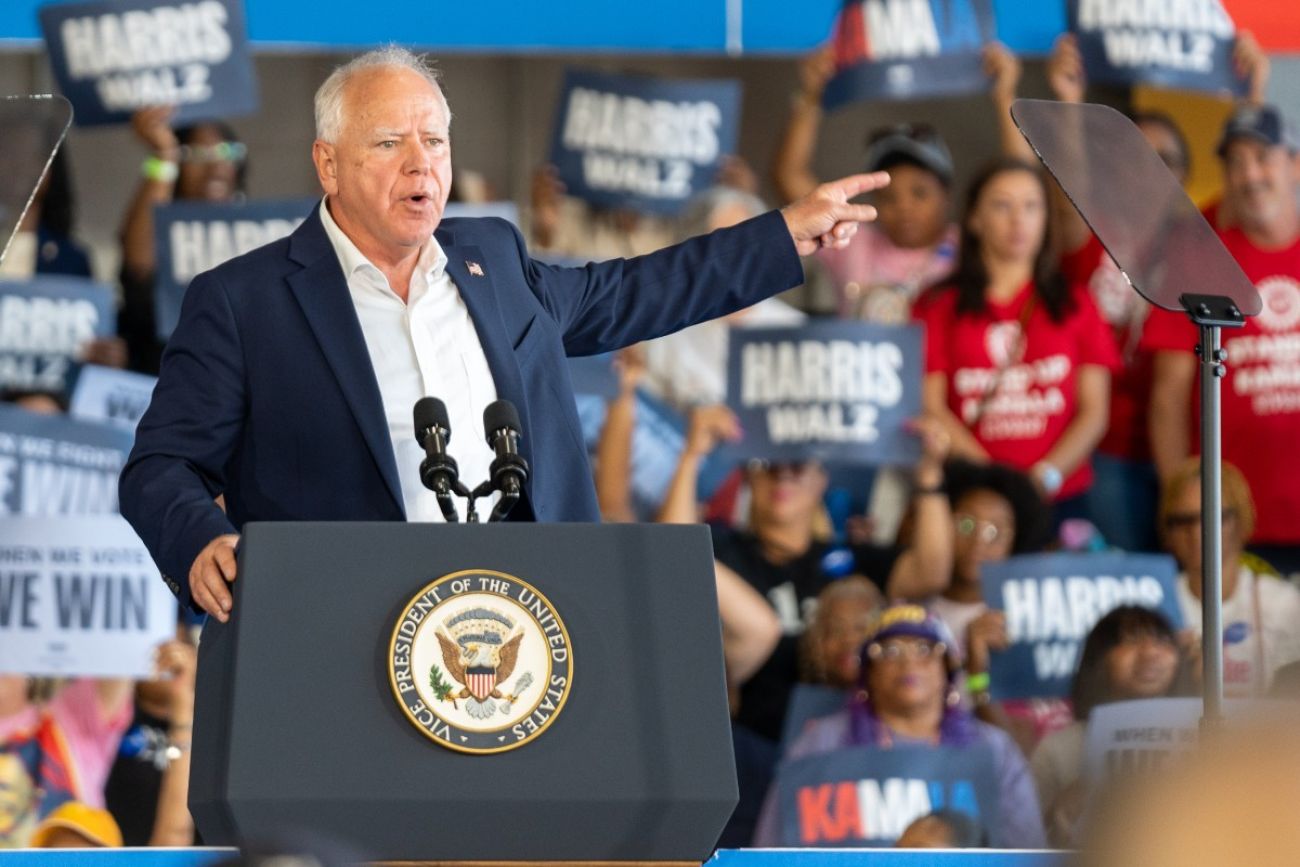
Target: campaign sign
(44,322)
(834,391)
(79,597)
(809,701)
(507,211)
(194,237)
(111,396)
(1140,736)
(908,49)
(50,465)
(1052,601)
(866,796)
(113,57)
(643,143)
(1166,43)
(594,375)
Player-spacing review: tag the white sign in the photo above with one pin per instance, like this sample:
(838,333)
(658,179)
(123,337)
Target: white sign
(79,597)
(110,396)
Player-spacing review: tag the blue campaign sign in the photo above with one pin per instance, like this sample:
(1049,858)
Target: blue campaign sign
(866,796)
(809,701)
(1052,601)
(648,144)
(44,323)
(50,465)
(1167,43)
(112,57)
(833,391)
(594,375)
(110,396)
(194,237)
(909,49)
(507,211)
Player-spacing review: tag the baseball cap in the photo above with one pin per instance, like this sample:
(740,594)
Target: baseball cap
(96,825)
(916,142)
(1264,123)
(915,621)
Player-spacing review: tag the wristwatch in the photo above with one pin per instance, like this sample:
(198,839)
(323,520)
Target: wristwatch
(1049,477)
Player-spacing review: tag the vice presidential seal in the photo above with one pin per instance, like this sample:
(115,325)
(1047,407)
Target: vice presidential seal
(480,662)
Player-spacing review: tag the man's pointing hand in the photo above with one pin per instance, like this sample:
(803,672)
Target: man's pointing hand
(826,217)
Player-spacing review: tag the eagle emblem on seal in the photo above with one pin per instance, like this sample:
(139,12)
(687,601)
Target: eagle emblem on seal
(480,648)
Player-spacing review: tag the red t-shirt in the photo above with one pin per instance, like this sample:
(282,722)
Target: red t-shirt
(1261,393)
(1034,398)
(1126,312)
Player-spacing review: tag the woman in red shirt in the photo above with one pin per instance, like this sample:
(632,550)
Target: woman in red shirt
(1018,361)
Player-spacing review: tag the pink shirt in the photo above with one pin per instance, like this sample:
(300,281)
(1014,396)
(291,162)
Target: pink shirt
(92,740)
(878,281)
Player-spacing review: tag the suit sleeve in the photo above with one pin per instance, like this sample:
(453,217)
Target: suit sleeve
(187,436)
(607,305)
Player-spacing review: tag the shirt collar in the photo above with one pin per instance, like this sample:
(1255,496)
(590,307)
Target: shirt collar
(432,261)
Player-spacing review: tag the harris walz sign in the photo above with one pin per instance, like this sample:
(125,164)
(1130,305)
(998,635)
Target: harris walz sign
(114,57)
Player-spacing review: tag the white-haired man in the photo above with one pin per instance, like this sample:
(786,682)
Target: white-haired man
(288,384)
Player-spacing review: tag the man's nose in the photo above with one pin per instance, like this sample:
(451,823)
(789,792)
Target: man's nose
(417,158)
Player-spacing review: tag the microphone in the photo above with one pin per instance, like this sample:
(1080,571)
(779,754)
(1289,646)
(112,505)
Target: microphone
(438,470)
(509,471)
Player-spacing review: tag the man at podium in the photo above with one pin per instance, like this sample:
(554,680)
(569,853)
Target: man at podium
(287,386)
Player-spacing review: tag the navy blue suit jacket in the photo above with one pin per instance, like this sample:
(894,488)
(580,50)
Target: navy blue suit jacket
(267,394)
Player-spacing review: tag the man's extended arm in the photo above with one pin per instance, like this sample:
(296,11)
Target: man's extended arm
(609,305)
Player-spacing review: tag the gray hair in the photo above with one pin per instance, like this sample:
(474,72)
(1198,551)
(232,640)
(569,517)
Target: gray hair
(699,211)
(329,97)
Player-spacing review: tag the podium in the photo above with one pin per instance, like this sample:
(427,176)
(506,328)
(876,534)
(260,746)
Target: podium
(306,723)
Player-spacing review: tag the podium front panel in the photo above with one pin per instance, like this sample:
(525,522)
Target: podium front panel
(298,728)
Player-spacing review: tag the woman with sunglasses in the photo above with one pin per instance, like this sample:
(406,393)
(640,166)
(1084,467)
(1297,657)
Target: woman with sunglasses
(204,162)
(1261,612)
(908,696)
(996,514)
(1018,361)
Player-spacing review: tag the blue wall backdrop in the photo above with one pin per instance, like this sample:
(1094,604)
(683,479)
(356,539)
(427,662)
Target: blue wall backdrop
(702,26)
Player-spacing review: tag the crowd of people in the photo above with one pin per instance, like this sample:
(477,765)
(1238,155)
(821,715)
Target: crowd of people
(1053,398)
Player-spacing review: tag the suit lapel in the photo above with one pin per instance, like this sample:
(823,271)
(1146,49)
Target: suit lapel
(479,292)
(322,292)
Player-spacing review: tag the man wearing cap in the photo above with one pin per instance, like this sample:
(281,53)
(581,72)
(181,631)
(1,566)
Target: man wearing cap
(1261,393)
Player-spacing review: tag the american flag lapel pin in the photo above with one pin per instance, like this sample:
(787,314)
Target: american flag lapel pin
(474,268)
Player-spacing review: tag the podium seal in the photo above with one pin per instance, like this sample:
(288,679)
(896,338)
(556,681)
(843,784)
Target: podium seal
(480,662)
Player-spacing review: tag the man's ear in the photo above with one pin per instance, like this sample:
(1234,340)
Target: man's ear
(324,157)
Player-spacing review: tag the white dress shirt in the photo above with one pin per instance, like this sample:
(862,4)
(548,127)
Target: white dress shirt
(427,346)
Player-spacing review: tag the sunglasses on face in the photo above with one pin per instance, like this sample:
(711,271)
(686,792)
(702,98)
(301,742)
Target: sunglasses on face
(891,651)
(917,132)
(779,468)
(221,152)
(1192,520)
(984,531)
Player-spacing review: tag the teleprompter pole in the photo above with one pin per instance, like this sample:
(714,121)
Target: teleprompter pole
(1212,313)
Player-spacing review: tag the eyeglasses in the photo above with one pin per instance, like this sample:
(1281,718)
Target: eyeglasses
(1190,520)
(221,152)
(984,531)
(895,651)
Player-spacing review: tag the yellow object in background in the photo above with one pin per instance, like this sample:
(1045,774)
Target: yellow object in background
(1201,118)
